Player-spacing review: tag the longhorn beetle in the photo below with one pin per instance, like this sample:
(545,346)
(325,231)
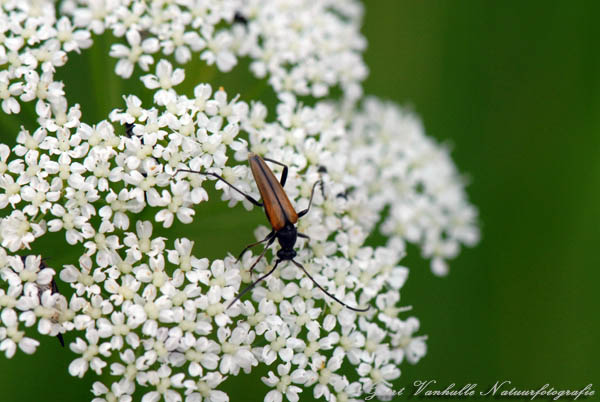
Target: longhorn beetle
(281,215)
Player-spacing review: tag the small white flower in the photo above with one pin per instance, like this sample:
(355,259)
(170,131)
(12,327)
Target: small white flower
(407,345)
(143,243)
(182,43)
(202,353)
(84,280)
(283,383)
(119,328)
(203,389)
(17,231)
(129,370)
(39,196)
(76,225)
(124,291)
(120,391)
(162,380)
(12,191)
(165,77)
(235,349)
(103,246)
(279,345)
(72,40)
(139,53)
(322,374)
(9,93)
(352,343)
(175,203)
(378,375)
(27,142)
(90,353)
(43,87)
(118,206)
(218,49)
(11,337)
(194,268)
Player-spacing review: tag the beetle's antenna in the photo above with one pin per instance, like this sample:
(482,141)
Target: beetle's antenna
(312,193)
(216,176)
(253,284)
(361,310)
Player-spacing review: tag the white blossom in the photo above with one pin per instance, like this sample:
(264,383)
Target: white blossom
(138,52)
(11,337)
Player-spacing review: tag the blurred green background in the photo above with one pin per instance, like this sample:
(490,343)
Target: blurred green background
(515,87)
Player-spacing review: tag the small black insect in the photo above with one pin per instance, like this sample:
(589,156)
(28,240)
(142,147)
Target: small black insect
(42,288)
(239,18)
(129,129)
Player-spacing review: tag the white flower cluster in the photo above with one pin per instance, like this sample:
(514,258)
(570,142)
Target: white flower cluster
(405,170)
(305,47)
(302,47)
(33,43)
(144,308)
(163,312)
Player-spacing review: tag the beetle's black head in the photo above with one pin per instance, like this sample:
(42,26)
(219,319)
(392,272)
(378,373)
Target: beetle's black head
(287,240)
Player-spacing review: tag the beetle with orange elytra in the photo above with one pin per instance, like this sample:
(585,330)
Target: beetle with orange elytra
(281,215)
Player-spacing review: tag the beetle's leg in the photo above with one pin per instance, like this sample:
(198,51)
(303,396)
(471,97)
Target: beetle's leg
(283,174)
(312,193)
(362,310)
(303,235)
(307,237)
(253,284)
(271,240)
(249,246)
(248,197)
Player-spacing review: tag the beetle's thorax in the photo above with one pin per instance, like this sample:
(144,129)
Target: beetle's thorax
(287,239)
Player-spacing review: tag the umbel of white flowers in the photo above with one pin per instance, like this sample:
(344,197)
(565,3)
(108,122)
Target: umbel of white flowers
(146,309)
